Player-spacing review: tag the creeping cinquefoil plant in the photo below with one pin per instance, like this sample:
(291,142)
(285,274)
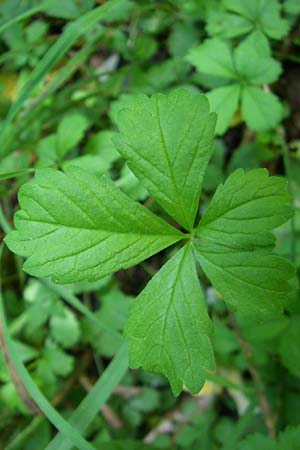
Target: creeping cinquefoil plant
(74,226)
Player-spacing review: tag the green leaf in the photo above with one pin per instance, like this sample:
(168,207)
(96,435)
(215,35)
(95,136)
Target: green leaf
(65,9)
(292,7)
(171,158)
(169,329)
(214,57)
(226,25)
(289,439)
(261,110)
(234,243)
(224,101)
(59,362)
(74,226)
(262,15)
(289,349)
(65,328)
(258,442)
(254,62)
(70,132)
(182,38)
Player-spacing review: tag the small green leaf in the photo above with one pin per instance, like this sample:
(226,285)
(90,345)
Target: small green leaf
(214,57)
(70,132)
(65,328)
(224,101)
(261,110)
(169,329)
(74,227)
(170,159)
(254,62)
(234,242)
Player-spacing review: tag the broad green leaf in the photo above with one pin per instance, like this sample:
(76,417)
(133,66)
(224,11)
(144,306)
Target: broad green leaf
(214,57)
(74,226)
(263,15)
(169,329)
(167,142)
(234,243)
(261,110)
(70,132)
(224,101)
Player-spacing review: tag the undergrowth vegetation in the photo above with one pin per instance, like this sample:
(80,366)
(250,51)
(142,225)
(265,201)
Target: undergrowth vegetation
(150,224)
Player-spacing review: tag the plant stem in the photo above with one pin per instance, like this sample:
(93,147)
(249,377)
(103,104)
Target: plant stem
(259,386)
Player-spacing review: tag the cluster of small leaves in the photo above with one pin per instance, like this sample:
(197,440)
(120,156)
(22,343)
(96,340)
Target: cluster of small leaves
(48,324)
(240,74)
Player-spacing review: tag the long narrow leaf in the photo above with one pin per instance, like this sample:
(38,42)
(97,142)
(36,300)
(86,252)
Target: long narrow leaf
(97,396)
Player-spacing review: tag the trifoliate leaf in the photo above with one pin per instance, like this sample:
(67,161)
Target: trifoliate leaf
(224,101)
(261,15)
(74,226)
(261,110)
(167,141)
(169,329)
(234,241)
(244,67)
